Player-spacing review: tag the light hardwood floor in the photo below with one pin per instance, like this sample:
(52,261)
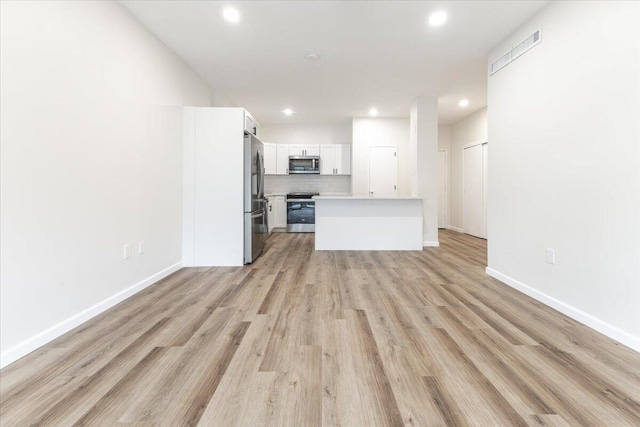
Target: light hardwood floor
(305,338)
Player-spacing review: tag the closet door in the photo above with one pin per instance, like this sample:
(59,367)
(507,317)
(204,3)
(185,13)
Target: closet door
(443,197)
(473,197)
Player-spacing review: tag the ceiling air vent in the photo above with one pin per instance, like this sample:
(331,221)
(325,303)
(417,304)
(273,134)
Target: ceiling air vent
(516,51)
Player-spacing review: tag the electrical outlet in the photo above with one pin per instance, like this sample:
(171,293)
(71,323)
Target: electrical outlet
(127,251)
(551,256)
(141,247)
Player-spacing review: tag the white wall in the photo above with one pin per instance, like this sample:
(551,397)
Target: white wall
(91,134)
(471,128)
(423,123)
(564,164)
(444,143)
(380,131)
(302,133)
(444,137)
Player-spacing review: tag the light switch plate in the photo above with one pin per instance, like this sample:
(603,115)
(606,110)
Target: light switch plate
(127,251)
(551,256)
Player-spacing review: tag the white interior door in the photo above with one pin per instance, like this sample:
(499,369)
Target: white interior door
(473,197)
(485,186)
(382,171)
(442,189)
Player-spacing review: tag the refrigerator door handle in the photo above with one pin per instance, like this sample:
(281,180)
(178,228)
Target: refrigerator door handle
(260,173)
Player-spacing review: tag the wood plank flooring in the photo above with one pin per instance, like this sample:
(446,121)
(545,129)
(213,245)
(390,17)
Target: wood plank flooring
(305,338)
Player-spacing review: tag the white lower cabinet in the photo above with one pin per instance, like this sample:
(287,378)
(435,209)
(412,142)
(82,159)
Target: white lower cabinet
(280,208)
(270,213)
(277,212)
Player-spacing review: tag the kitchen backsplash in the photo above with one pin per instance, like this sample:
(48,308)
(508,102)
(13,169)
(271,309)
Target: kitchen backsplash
(283,184)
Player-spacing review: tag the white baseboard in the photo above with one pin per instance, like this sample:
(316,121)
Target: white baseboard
(587,319)
(33,343)
(451,227)
(430,243)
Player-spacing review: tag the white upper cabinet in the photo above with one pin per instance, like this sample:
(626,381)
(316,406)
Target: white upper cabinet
(327,159)
(282,159)
(270,159)
(251,125)
(312,150)
(296,150)
(276,159)
(335,159)
(343,159)
(304,150)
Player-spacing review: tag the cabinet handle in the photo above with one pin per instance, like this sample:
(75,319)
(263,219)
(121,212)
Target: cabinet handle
(270,208)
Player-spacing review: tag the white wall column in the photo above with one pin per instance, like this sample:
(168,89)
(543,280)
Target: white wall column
(424,165)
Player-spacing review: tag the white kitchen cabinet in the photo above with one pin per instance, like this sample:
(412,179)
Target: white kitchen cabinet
(280,212)
(312,150)
(304,150)
(270,159)
(251,125)
(328,159)
(296,150)
(335,159)
(282,159)
(271,221)
(343,159)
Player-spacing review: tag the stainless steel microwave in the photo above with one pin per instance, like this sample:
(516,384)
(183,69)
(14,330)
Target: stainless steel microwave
(304,164)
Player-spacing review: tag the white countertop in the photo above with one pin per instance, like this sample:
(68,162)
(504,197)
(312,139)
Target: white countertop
(365,198)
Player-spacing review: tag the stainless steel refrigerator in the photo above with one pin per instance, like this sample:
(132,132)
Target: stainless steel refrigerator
(256,229)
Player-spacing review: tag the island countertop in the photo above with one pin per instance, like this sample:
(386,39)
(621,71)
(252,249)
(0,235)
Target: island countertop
(343,197)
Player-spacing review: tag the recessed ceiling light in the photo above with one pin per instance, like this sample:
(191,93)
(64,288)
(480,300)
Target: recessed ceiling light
(287,111)
(438,18)
(463,103)
(373,112)
(313,56)
(231,14)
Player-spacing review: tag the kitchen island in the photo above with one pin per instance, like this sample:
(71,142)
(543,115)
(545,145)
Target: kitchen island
(368,223)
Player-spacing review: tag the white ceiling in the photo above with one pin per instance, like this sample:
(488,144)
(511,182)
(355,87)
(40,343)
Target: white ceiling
(372,53)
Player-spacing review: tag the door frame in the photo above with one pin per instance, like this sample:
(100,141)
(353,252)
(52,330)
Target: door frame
(395,147)
(447,186)
(484,186)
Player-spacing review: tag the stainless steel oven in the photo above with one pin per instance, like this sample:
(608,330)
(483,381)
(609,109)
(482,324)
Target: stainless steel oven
(301,212)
